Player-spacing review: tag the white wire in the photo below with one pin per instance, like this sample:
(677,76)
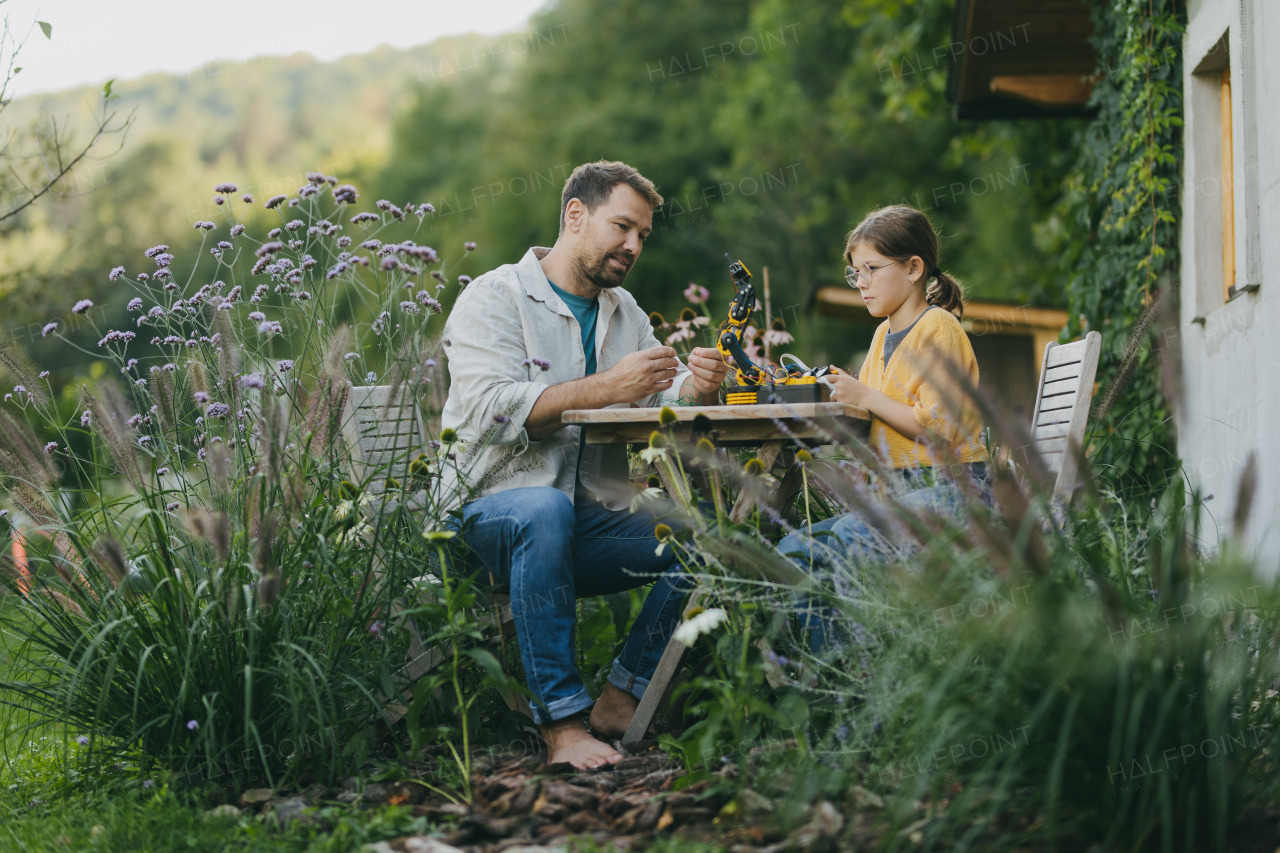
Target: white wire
(782,361)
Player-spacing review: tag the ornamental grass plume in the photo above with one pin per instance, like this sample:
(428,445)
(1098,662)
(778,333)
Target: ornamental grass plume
(15,363)
(268,587)
(110,421)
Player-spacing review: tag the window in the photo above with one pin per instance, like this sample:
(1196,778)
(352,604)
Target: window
(1211,151)
(1227,182)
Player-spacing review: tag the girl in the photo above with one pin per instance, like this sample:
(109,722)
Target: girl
(909,384)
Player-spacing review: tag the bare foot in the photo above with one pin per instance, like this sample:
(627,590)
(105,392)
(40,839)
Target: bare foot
(613,711)
(568,742)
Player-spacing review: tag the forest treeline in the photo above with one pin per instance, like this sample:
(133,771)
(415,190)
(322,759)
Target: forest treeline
(770,127)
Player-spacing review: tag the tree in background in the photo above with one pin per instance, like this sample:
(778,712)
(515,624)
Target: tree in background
(41,159)
(770,128)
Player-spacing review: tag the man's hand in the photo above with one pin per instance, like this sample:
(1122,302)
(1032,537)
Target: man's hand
(642,374)
(708,371)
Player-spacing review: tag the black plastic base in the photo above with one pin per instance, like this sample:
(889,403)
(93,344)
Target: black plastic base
(815,393)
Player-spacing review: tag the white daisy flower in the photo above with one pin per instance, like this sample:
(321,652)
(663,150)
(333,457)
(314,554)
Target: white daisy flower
(699,624)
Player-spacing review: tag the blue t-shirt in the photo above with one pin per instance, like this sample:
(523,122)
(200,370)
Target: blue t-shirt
(586,310)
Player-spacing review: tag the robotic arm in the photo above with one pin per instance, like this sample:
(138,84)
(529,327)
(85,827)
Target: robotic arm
(759,384)
(729,342)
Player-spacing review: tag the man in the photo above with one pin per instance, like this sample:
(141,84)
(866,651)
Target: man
(525,343)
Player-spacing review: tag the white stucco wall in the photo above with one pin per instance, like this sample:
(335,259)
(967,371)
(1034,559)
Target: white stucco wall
(1231,352)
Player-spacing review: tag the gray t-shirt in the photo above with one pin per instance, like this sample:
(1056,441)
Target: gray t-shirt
(892,339)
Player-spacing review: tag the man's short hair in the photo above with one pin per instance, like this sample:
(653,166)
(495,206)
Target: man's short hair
(591,184)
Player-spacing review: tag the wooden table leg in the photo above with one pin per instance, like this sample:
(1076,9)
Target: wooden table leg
(658,684)
(746,501)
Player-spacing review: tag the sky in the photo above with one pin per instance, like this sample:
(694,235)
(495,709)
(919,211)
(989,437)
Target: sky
(97,40)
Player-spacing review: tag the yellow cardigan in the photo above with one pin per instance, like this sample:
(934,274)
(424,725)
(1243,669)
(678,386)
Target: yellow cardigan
(917,376)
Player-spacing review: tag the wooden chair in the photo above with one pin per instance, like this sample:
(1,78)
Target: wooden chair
(1062,409)
(384,437)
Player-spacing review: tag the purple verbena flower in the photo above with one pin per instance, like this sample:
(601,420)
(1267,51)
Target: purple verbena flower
(44,374)
(257,316)
(545,365)
(155,250)
(48,327)
(469,246)
(351,356)
(362,218)
(284,365)
(218,410)
(85,418)
(204,225)
(246,198)
(201,397)
(500,418)
(162,471)
(429,302)
(82,740)
(268,248)
(219,200)
(225,189)
(238,228)
(135,304)
(376,628)
(252,380)
(345,194)
(425,208)
(410,308)
(371,377)
(464,280)
(170,507)
(50,447)
(115,273)
(274,202)
(80,307)
(145,439)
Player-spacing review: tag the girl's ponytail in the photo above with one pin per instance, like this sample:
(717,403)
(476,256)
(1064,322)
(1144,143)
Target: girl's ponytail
(947,293)
(901,232)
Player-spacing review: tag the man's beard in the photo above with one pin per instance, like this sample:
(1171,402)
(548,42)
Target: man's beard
(600,273)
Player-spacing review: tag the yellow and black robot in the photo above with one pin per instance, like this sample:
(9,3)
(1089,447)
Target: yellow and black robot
(793,383)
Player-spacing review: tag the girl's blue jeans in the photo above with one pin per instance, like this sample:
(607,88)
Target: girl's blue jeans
(850,541)
(550,552)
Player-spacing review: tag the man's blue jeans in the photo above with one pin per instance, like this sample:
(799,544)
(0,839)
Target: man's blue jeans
(551,552)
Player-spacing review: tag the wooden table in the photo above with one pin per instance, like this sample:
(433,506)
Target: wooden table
(770,427)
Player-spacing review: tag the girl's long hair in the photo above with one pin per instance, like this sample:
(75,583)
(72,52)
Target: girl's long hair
(898,232)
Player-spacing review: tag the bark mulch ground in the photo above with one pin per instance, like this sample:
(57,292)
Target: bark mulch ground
(522,805)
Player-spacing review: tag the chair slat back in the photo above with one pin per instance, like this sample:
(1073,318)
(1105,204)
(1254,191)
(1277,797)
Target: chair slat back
(1062,407)
(384,436)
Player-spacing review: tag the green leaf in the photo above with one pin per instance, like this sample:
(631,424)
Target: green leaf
(46,28)
(487,662)
(384,676)
(106,89)
(690,779)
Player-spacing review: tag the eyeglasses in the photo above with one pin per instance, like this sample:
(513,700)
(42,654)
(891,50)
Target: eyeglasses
(852,275)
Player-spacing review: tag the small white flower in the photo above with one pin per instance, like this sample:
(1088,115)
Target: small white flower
(702,623)
(652,454)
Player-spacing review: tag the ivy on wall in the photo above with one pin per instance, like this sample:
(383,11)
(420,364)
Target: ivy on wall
(1122,203)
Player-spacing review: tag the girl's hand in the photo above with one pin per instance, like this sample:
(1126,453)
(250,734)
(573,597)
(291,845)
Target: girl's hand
(846,388)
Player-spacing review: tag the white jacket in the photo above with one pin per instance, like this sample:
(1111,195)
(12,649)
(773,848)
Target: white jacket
(504,317)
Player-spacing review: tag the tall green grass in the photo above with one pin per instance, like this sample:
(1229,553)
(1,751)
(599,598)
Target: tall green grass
(204,587)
